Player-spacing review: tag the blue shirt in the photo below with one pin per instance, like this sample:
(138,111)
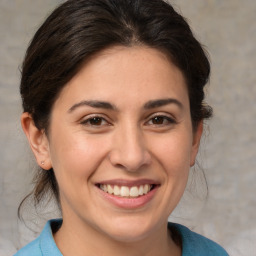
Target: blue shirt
(193,244)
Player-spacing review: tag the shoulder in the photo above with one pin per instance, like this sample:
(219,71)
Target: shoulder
(44,245)
(195,244)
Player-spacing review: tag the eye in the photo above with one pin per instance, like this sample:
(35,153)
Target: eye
(95,121)
(161,120)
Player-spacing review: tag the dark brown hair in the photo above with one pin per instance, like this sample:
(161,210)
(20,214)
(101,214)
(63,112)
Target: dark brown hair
(78,29)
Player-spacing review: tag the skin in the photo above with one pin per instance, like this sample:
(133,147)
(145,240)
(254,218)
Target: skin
(125,142)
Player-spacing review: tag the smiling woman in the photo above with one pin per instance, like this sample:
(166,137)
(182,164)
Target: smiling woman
(114,106)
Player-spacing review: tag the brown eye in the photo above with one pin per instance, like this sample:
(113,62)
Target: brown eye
(158,120)
(161,120)
(95,121)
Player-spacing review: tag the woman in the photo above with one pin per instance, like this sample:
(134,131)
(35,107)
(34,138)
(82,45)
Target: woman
(114,106)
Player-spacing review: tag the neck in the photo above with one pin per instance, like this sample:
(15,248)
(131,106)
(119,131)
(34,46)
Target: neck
(81,239)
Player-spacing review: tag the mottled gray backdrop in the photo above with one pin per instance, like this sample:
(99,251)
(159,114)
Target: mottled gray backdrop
(228,152)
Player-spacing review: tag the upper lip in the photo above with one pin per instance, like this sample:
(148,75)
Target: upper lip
(128,183)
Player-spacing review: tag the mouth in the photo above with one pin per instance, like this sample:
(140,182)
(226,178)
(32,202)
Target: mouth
(127,191)
(128,194)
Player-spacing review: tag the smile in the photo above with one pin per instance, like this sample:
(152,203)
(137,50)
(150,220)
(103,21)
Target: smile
(125,191)
(128,194)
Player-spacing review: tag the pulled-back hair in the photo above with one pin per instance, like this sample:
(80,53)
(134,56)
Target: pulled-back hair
(78,29)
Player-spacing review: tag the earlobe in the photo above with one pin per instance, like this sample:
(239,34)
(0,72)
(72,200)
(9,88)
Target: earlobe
(38,141)
(196,142)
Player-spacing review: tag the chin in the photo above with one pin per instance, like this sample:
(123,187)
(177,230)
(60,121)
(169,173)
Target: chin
(130,230)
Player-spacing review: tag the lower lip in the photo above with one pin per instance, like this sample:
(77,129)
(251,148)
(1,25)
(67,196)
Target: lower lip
(129,203)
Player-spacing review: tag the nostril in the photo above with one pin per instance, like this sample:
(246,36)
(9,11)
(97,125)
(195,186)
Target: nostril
(120,166)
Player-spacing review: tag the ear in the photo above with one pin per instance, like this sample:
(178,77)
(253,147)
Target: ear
(38,141)
(196,143)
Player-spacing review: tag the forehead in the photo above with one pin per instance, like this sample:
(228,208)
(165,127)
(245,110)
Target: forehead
(126,74)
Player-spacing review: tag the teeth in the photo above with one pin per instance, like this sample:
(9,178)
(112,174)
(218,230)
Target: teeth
(134,192)
(146,188)
(141,190)
(125,191)
(109,189)
(116,191)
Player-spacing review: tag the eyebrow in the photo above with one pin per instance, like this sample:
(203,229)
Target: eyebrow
(162,102)
(93,104)
(106,105)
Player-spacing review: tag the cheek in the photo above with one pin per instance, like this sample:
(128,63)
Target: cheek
(75,158)
(173,152)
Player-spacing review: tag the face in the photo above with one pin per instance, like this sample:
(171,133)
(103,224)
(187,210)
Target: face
(121,143)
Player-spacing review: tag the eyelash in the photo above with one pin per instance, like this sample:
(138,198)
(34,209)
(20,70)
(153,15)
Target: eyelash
(100,119)
(95,118)
(164,118)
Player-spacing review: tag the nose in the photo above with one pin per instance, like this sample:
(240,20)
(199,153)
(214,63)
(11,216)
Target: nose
(129,150)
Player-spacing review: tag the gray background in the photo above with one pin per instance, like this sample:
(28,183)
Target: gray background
(228,152)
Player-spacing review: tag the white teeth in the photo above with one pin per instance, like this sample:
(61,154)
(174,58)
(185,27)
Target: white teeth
(141,190)
(134,192)
(116,191)
(125,191)
(104,188)
(146,188)
(110,189)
